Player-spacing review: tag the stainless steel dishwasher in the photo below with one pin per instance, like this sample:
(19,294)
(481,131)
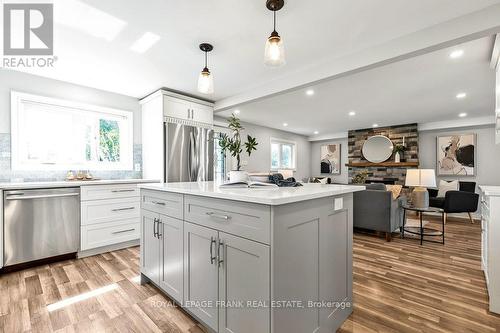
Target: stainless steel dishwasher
(40,223)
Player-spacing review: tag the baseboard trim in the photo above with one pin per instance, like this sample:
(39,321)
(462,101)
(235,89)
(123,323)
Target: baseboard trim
(108,248)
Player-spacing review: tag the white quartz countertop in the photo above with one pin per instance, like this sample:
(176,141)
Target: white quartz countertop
(267,195)
(490,190)
(64,183)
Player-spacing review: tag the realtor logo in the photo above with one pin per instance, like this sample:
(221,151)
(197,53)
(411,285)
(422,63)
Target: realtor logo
(28,29)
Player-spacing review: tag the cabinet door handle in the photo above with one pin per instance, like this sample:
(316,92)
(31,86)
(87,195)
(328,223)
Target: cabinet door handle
(120,209)
(119,191)
(122,231)
(160,235)
(158,203)
(212,243)
(218,216)
(154,227)
(220,253)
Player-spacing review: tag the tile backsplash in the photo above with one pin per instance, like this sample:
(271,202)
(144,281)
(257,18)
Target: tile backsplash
(7,174)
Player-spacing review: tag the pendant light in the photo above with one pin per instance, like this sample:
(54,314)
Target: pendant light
(274,54)
(206,79)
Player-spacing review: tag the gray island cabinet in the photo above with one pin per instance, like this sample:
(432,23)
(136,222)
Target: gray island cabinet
(251,260)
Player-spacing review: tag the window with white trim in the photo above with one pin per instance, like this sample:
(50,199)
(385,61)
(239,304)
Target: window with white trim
(54,134)
(283,154)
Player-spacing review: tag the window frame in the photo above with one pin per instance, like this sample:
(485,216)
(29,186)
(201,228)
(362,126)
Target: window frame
(294,153)
(17,163)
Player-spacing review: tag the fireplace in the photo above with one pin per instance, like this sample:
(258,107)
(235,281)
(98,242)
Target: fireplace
(388,172)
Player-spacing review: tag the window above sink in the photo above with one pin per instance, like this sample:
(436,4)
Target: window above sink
(56,134)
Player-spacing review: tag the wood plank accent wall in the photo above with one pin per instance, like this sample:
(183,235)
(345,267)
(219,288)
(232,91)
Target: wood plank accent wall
(356,139)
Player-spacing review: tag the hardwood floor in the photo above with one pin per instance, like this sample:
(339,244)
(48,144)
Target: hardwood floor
(404,287)
(122,306)
(399,286)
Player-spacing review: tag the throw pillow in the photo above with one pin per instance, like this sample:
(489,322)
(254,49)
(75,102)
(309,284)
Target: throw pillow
(395,189)
(445,186)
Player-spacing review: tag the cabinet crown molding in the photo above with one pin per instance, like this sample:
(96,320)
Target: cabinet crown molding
(163,92)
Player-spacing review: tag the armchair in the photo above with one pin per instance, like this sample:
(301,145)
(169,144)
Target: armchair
(374,209)
(465,200)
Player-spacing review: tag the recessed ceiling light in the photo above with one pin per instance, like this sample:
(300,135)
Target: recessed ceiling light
(462,115)
(236,112)
(352,113)
(456,54)
(461,95)
(145,42)
(285,124)
(375,125)
(309,92)
(316,132)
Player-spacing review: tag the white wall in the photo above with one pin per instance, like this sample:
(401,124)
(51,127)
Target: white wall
(315,160)
(13,80)
(487,153)
(260,160)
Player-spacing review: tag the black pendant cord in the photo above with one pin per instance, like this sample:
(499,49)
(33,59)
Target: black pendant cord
(274,28)
(206,59)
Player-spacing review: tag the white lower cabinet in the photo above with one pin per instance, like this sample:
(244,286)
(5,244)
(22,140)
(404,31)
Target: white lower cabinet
(110,216)
(490,243)
(100,235)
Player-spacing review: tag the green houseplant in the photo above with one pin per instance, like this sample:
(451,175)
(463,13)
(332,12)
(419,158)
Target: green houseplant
(234,145)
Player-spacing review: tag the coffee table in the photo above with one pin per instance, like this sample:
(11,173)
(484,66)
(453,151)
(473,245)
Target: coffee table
(423,231)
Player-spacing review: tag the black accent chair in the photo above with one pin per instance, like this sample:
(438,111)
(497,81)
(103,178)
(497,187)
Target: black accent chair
(465,200)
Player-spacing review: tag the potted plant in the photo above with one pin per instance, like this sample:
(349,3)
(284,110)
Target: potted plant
(398,151)
(234,145)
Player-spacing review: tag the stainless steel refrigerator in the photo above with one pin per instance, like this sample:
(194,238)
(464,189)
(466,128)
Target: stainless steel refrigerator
(189,153)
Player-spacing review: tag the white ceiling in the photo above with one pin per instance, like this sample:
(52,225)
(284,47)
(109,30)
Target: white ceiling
(421,89)
(314,32)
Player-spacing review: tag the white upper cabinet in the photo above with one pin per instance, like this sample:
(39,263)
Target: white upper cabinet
(176,108)
(202,113)
(186,108)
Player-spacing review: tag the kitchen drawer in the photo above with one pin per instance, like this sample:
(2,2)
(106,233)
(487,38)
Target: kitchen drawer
(98,235)
(100,192)
(166,203)
(252,221)
(100,211)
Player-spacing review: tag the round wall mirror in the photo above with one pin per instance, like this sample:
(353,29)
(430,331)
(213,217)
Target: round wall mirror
(377,149)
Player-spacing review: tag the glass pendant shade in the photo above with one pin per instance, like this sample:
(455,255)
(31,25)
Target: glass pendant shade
(274,54)
(206,82)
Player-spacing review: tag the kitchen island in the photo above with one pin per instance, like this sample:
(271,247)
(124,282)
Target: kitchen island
(251,260)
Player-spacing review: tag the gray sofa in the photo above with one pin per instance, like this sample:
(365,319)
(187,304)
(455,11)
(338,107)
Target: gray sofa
(374,209)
